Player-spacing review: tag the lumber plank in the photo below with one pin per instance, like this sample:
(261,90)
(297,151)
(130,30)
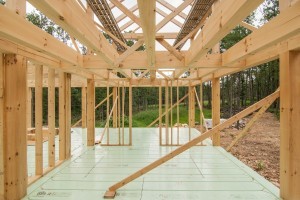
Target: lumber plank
(216,101)
(289,125)
(112,190)
(228,14)
(51,117)
(79,24)
(90,112)
(257,116)
(38,120)
(148,22)
(280,28)
(83,107)
(130,113)
(68,115)
(61,117)
(13,151)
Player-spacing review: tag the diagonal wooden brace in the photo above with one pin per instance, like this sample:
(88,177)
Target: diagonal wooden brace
(112,190)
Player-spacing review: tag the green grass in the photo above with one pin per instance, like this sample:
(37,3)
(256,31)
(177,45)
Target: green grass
(144,118)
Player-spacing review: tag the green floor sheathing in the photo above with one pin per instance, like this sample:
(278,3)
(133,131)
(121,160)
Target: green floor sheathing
(203,172)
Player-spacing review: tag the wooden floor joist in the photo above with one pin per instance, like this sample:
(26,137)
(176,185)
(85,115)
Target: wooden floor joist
(111,192)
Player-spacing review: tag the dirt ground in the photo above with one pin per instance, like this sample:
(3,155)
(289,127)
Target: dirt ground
(259,149)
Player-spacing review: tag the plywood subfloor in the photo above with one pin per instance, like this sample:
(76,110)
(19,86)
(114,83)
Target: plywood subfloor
(203,172)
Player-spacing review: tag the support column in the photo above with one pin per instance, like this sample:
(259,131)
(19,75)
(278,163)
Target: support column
(38,120)
(62,122)
(90,112)
(68,115)
(51,117)
(130,113)
(289,125)
(167,113)
(83,107)
(64,115)
(192,106)
(13,137)
(115,110)
(216,109)
(28,109)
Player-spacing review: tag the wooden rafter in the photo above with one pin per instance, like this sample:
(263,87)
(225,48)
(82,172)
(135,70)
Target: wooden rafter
(123,15)
(173,14)
(170,48)
(171,8)
(111,35)
(125,10)
(225,18)
(130,51)
(175,21)
(79,24)
(42,48)
(282,27)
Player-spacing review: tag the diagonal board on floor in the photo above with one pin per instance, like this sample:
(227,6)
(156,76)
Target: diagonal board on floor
(112,190)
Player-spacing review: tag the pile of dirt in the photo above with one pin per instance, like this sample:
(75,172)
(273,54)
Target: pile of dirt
(259,149)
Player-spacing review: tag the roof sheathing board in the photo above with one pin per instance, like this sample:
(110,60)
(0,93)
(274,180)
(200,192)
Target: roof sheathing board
(198,11)
(105,16)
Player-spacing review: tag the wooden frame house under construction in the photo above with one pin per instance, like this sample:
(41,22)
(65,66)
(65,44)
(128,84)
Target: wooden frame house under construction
(31,58)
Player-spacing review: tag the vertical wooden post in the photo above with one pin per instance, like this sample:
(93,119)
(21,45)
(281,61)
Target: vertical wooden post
(28,109)
(13,138)
(171,111)
(177,107)
(68,115)
(167,112)
(38,120)
(192,106)
(2,143)
(130,113)
(123,111)
(160,113)
(115,110)
(216,109)
(62,112)
(90,112)
(119,116)
(289,125)
(51,117)
(107,113)
(201,107)
(83,107)
(64,115)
